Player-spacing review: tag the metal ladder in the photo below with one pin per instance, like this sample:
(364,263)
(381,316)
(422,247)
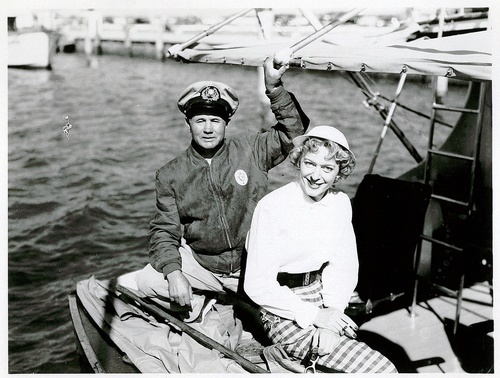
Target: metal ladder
(465,207)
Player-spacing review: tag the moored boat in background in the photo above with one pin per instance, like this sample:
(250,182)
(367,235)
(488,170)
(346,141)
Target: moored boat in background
(29,47)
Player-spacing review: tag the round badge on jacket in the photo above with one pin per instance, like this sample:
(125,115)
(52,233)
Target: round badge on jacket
(241,177)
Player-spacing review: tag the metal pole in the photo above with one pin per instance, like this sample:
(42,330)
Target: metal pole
(321,32)
(172,51)
(388,120)
(266,21)
(441,84)
(311,18)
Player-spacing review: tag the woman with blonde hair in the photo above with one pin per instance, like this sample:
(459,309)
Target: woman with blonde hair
(302,264)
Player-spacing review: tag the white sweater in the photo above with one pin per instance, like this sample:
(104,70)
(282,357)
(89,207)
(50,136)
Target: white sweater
(292,233)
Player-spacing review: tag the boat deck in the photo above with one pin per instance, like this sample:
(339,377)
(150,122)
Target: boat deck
(425,342)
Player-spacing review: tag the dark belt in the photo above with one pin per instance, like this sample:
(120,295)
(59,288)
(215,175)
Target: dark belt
(297,279)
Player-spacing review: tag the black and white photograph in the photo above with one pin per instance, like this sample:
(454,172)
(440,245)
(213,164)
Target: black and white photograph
(248,187)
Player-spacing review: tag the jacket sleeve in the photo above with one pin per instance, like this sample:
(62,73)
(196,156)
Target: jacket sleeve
(165,231)
(274,145)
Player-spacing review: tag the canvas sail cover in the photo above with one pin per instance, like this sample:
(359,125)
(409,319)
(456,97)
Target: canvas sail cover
(466,56)
(156,347)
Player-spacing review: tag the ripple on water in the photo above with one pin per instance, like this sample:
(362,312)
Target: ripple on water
(20,210)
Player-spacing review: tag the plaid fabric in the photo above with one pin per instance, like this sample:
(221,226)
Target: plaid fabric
(349,356)
(296,341)
(352,356)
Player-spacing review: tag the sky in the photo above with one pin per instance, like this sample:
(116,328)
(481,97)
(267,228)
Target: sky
(225,7)
(126,8)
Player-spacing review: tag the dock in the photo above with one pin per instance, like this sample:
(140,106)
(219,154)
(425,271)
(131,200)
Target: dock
(94,31)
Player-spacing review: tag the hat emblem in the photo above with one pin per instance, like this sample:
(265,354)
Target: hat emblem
(210,94)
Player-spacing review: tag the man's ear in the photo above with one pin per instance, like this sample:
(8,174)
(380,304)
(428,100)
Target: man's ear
(186,121)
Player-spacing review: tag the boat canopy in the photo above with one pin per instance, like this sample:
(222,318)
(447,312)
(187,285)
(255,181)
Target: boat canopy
(466,56)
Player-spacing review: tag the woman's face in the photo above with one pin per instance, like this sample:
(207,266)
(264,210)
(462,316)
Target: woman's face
(317,174)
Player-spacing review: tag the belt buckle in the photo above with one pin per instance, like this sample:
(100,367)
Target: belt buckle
(307,278)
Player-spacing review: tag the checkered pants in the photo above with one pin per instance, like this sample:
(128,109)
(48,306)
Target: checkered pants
(349,356)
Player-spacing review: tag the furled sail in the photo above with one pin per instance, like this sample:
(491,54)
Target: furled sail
(466,56)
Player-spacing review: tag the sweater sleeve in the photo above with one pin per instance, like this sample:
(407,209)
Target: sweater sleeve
(165,231)
(263,262)
(273,146)
(340,276)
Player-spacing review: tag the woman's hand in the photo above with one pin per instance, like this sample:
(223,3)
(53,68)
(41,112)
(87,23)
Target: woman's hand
(335,320)
(326,340)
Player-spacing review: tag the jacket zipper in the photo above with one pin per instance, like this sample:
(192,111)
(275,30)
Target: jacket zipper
(223,221)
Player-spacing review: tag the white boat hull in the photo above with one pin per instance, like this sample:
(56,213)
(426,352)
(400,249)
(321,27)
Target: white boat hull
(29,49)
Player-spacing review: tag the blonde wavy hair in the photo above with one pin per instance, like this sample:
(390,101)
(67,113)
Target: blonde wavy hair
(344,158)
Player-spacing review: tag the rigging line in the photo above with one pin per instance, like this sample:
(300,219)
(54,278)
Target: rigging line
(417,112)
(357,77)
(362,82)
(369,79)
(351,79)
(380,108)
(372,82)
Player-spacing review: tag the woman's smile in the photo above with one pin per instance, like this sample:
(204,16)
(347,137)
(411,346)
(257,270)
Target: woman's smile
(317,173)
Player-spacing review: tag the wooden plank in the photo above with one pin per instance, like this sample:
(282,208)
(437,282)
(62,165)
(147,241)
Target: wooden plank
(109,356)
(81,335)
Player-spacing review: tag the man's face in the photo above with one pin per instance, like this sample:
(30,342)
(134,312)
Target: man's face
(208,131)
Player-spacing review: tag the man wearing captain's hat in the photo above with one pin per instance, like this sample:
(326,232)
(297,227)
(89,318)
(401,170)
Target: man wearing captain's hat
(205,197)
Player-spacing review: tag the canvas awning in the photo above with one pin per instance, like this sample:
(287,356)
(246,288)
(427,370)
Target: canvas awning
(466,56)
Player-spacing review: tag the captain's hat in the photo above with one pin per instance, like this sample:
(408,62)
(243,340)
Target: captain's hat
(209,98)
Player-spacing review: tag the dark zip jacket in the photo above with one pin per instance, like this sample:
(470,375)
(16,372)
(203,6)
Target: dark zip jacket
(211,206)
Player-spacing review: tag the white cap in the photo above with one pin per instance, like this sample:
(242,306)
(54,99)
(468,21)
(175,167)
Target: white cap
(324,132)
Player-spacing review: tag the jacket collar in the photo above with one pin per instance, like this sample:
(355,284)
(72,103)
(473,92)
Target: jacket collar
(197,156)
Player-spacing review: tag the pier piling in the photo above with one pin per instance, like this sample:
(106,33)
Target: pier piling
(92,43)
(266,21)
(159,44)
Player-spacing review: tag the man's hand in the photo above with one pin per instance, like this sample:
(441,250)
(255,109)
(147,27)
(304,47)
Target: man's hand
(179,288)
(274,68)
(335,320)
